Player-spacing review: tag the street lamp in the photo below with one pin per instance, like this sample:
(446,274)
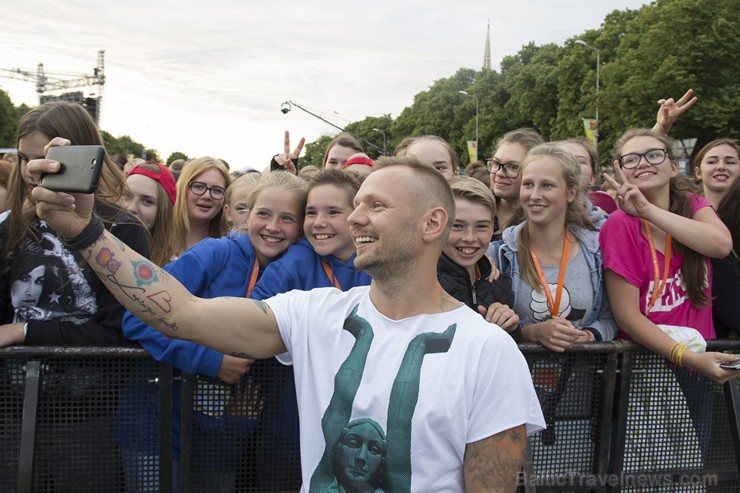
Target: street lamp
(382,132)
(598,65)
(465,93)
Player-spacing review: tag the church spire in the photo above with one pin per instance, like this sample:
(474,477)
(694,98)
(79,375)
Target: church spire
(487,51)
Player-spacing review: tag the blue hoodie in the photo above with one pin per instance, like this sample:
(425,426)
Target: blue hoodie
(301,268)
(212,268)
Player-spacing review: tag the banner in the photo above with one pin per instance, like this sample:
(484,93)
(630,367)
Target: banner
(472,151)
(589,128)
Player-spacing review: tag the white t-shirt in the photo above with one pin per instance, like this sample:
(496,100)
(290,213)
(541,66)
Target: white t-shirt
(410,395)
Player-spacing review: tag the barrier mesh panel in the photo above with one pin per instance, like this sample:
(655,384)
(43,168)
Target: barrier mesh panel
(570,389)
(677,430)
(99,425)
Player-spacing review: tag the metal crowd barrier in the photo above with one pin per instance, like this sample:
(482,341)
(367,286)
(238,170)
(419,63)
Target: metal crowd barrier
(113,420)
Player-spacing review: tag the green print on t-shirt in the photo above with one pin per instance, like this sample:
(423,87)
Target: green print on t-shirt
(358,456)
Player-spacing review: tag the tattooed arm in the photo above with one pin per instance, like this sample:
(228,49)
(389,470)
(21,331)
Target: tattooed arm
(493,464)
(234,326)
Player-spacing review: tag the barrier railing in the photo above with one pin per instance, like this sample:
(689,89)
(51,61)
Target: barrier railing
(112,419)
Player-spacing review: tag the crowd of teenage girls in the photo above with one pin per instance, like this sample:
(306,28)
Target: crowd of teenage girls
(534,248)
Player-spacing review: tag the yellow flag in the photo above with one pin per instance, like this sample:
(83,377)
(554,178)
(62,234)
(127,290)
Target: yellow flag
(472,151)
(589,128)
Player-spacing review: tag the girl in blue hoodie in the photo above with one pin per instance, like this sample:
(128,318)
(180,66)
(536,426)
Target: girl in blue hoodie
(228,266)
(325,258)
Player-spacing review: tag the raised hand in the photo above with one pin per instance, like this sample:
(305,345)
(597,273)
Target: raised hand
(288,158)
(670,110)
(629,197)
(67,214)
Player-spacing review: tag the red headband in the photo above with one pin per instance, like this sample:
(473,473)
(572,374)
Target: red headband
(359,160)
(164,177)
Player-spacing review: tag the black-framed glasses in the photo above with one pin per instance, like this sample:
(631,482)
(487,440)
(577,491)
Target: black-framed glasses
(652,156)
(199,188)
(511,170)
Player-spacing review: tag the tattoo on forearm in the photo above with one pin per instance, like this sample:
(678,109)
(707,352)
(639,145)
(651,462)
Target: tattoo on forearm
(495,461)
(162,299)
(170,325)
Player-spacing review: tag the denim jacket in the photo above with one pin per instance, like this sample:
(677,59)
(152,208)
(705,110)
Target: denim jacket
(600,319)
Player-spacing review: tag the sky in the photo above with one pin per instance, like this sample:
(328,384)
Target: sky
(209,78)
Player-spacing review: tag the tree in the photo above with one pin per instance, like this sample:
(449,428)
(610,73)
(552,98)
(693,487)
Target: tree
(370,133)
(314,152)
(175,156)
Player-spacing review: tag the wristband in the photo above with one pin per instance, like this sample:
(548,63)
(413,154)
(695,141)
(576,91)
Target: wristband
(89,235)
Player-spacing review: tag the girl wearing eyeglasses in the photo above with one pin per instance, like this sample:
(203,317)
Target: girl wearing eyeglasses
(199,205)
(511,149)
(655,251)
(661,218)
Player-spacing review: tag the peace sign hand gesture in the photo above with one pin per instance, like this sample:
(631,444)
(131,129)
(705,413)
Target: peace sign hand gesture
(288,160)
(670,110)
(629,197)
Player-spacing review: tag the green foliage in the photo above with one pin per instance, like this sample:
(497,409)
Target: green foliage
(658,51)
(175,156)
(10,115)
(370,132)
(314,152)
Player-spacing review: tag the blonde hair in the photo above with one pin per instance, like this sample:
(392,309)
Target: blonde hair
(576,215)
(286,181)
(181,222)
(242,180)
(473,190)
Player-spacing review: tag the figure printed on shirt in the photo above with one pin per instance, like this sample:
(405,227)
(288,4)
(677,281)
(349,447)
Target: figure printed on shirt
(48,282)
(359,456)
(541,310)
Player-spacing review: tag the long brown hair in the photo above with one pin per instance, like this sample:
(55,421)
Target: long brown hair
(56,119)
(162,234)
(693,264)
(729,212)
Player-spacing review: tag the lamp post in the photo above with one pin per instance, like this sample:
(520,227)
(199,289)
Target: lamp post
(465,93)
(382,132)
(598,68)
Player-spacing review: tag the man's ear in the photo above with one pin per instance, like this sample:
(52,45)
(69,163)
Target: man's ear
(435,223)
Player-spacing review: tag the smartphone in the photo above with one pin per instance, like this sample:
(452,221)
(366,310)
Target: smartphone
(80,168)
(730,365)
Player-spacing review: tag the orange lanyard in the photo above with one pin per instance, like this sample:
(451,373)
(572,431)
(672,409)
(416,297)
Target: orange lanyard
(330,275)
(253,277)
(554,305)
(658,285)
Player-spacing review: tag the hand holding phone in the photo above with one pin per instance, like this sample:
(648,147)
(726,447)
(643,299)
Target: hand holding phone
(730,365)
(79,171)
